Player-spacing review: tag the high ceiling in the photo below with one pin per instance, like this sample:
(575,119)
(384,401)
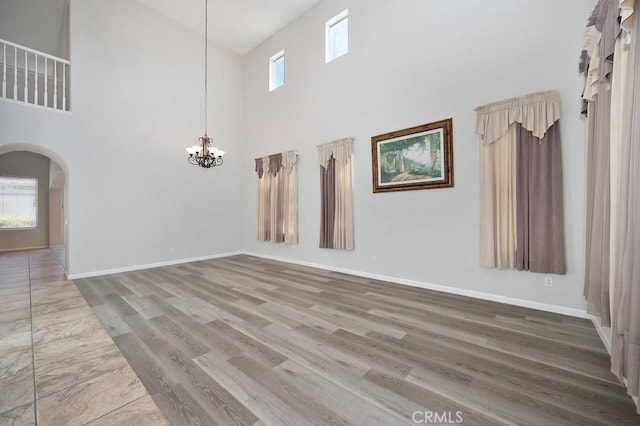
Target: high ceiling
(239,25)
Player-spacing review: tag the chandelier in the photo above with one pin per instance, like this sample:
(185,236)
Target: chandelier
(204,154)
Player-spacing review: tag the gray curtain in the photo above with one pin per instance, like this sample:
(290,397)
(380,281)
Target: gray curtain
(625,356)
(598,223)
(539,206)
(596,286)
(328,203)
(259,167)
(275,163)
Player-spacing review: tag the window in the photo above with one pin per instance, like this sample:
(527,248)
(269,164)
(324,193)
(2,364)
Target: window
(337,36)
(278,197)
(521,202)
(18,202)
(276,71)
(336,194)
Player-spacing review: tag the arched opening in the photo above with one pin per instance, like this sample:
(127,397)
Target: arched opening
(27,161)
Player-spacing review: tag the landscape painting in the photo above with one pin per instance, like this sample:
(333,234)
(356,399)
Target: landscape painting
(415,158)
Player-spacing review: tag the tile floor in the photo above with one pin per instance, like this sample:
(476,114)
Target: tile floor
(57,363)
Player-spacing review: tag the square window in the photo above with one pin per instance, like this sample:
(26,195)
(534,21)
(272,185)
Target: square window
(337,36)
(18,203)
(276,71)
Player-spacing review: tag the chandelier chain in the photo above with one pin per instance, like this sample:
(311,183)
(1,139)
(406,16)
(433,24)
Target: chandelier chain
(206,66)
(205,154)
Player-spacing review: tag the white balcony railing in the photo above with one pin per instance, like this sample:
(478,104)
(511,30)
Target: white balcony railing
(32,77)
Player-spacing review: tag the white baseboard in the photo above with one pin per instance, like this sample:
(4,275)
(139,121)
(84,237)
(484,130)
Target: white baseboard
(605,336)
(149,266)
(24,248)
(603,332)
(579,313)
(634,398)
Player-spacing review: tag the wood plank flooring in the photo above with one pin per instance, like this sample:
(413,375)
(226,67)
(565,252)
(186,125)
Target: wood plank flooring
(58,366)
(243,340)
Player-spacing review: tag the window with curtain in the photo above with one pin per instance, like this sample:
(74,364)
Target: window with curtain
(336,191)
(610,61)
(278,197)
(521,201)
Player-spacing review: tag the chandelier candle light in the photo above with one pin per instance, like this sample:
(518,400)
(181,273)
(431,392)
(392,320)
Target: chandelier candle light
(205,155)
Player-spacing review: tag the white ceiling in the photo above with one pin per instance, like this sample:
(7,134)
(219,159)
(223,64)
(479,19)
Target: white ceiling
(239,25)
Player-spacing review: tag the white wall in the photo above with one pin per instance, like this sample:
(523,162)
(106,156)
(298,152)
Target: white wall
(56,217)
(38,24)
(56,205)
(137,96)
(413,62)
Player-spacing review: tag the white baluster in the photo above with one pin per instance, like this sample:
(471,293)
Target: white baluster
(26,77)
(64,87)
(28,90)
(35,86)
(4,70)
(55,85)
(15,73)
(46,83)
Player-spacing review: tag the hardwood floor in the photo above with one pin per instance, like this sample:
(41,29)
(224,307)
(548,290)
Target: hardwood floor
(249,341)
(58,366)
(243,340)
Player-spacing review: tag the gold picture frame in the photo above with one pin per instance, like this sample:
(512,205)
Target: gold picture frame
(419,157)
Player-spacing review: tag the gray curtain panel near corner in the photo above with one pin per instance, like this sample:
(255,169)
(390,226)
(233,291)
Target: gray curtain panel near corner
(597,253)
(539,206)
(596,282)
(328,199)
(625,353)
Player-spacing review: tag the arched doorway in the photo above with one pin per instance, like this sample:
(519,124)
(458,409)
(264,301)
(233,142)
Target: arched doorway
(52,177)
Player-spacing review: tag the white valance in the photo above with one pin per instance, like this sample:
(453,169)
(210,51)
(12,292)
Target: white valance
(536,112)
(592,47)
(341,150)
(289,160)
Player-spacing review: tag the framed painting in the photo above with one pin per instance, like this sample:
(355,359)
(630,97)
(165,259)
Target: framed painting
(419,157)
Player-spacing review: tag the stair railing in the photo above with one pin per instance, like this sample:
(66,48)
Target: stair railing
(33,77)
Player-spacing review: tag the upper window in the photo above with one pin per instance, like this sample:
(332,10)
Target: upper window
(18,202)
(276,70)
(337,36)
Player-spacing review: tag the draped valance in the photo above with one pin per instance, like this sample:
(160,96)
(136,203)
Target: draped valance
(273,163)
(289,160)
(536,112)
(341,150)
